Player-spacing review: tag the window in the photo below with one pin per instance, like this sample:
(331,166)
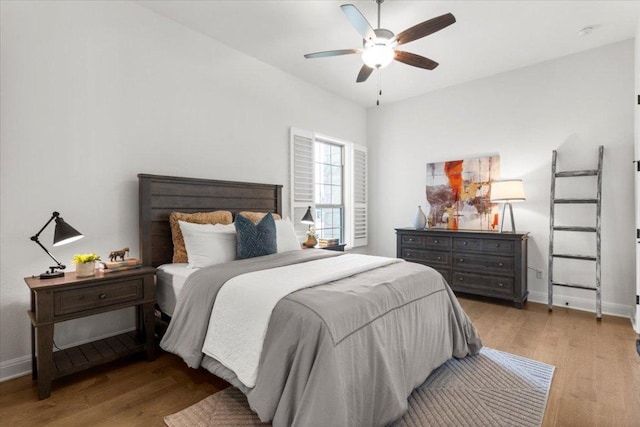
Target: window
(329,190)
(329,175)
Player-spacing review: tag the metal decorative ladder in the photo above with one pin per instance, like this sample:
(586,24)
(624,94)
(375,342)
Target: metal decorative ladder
(553,228)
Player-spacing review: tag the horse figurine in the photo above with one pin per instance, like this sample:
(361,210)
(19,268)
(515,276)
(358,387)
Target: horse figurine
(114,255)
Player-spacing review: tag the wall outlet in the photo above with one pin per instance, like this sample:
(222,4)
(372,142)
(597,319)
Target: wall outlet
(539,274)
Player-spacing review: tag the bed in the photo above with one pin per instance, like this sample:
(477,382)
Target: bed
(346,348)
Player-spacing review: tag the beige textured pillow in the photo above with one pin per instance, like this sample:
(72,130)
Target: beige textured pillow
(255,217)
(179,250)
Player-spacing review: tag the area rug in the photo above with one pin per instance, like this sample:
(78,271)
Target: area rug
(492,388)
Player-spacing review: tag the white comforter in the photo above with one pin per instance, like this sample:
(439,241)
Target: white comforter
(243,307)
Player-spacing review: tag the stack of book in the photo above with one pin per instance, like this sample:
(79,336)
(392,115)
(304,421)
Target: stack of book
(113,266)
(323,243)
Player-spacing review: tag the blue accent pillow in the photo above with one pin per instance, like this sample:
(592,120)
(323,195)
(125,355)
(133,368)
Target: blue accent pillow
(256,239)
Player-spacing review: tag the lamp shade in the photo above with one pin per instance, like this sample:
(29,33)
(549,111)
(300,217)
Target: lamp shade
(507,190)
(64,233)
(307,218)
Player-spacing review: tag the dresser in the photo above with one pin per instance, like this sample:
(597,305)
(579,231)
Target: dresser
(483,263)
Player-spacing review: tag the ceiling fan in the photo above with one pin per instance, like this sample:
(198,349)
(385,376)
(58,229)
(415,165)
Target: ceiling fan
(379,45)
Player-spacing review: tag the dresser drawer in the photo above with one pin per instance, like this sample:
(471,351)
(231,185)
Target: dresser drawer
(482,285)
(498,246)
(467,244)
(437,242)
(411,240)
(91,297)
(446,273)
(485,263)
(483,245)
(428,257)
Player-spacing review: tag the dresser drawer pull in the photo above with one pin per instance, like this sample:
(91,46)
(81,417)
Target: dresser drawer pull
(461,279)
(497,245)
(464,243)
(436,241)
(409,255)
(439,258)
(411,239)
(461,259)
(103,296)
(501,285)
(500,264)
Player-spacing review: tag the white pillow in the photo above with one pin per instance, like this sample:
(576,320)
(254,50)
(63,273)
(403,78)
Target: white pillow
(208,244)
(286,236)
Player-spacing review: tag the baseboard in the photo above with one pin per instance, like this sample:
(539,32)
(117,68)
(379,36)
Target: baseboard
(583,304)
(20,366)
(15,368)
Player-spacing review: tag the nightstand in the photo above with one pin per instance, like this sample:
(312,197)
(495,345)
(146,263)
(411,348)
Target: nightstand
(69,297)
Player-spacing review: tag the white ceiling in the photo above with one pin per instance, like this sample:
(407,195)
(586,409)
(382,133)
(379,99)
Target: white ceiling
(489,37)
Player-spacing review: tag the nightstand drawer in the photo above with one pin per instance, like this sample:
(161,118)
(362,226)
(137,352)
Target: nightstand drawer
(497,264)
(91,297)
(430,257)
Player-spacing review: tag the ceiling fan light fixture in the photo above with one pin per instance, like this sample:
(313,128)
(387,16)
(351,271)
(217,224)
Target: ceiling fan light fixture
(378,56)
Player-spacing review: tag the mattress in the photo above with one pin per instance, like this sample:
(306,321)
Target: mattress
(169,283)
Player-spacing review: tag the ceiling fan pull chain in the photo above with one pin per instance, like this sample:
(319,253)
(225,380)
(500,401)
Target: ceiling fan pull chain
(379,87)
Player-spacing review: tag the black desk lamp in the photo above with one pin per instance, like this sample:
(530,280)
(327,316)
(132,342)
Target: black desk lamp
(307,218)
(63,234)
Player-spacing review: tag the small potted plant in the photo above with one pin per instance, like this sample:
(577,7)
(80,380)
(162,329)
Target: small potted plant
(86,264)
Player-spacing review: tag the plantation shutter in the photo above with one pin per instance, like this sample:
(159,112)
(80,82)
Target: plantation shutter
(360,188)
(302,179)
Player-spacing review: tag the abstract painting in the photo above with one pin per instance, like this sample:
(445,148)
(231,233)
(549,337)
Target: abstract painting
(458,193)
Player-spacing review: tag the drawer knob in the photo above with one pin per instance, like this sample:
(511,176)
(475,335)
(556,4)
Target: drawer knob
(464,243)
(410,239)
(461,279)
(439,258)
(408,254)
(436,241)
(461,259)
(500,264)
(103,296)
(497,245)
(501,285)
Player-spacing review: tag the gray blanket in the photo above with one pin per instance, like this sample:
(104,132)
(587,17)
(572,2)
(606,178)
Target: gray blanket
(347,353)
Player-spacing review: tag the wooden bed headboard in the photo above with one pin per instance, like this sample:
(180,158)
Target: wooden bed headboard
(158,196)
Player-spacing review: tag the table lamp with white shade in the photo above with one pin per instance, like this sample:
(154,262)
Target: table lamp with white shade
(507,191)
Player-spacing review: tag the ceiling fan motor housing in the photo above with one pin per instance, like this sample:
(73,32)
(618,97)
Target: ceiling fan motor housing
(379,52)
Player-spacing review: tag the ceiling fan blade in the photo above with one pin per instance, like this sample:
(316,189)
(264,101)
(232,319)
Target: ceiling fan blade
(415,60)
(364,73)
(332,53)
(425,28)
(358,21)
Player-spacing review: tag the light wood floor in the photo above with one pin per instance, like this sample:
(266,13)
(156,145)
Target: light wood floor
(596,382)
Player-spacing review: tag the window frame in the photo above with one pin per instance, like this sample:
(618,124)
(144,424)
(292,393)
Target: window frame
(343,184)
(355,232)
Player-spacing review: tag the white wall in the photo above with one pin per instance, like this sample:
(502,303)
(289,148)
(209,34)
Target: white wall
(637,180)
(572,104)
(94,93)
